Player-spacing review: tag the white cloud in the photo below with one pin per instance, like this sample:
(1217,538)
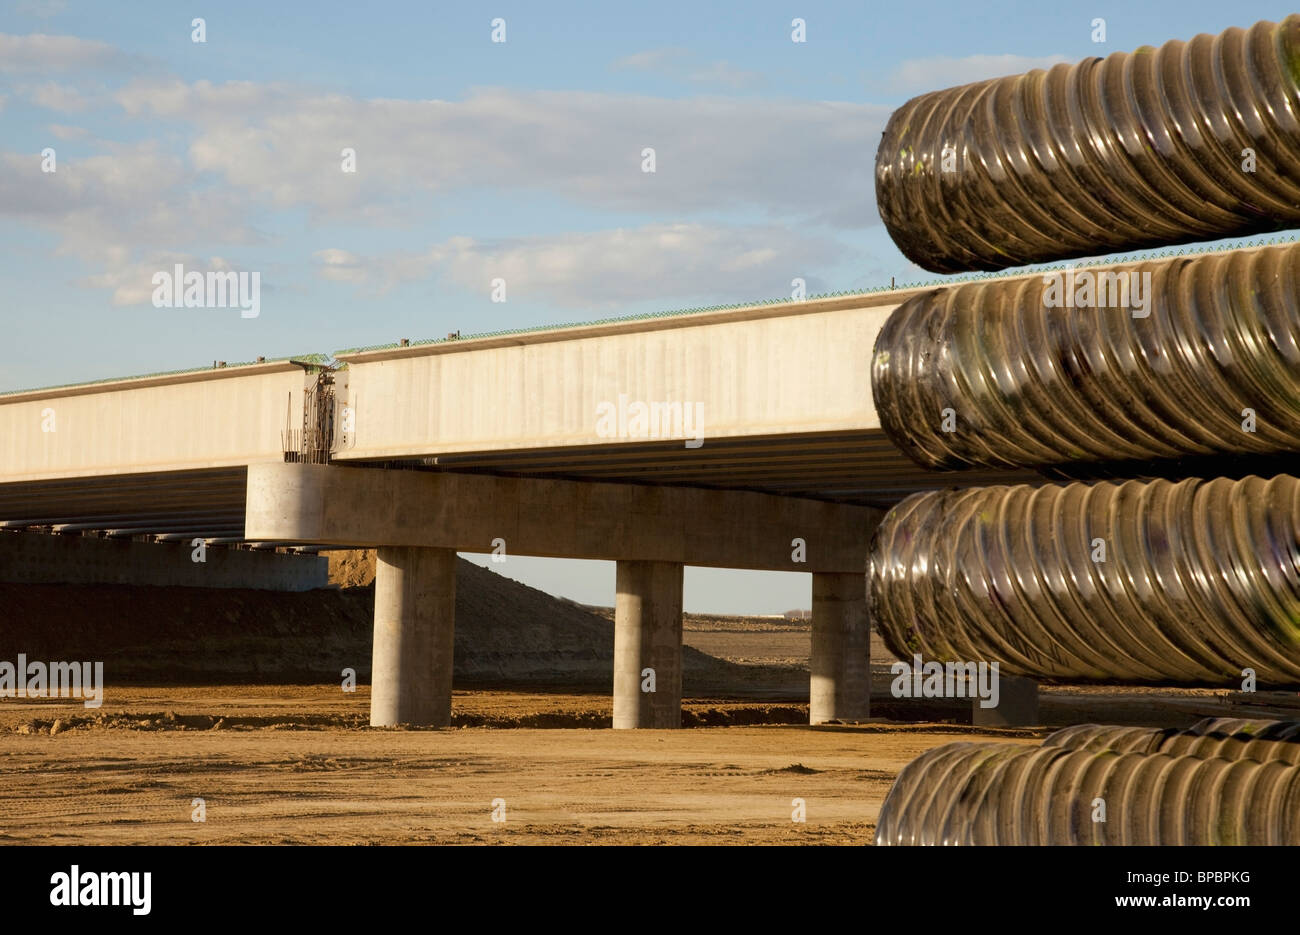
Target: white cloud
(724,73)
(786,158)
(41,8)
(43,54)
(132,283)
(254,148)
(678,63)
(108,206)
(605,268)
(650,58)
(60,97)
(63,132)
(341,266)
(938,72)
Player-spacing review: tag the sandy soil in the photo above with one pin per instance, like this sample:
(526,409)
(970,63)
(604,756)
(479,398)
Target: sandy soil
(348,785)
(243,715)
(297,764)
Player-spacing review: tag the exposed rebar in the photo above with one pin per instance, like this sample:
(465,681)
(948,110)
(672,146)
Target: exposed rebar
(987,374)
(313,443)
(998,793)
(1176,583)
(1195,140)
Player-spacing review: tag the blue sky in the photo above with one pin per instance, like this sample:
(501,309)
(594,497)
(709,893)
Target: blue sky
(475,159)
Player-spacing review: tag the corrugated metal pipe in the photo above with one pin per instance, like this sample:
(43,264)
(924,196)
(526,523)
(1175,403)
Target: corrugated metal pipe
(998,793)
(1195,140)
(1187,582)
(1225,738)
(1002,374)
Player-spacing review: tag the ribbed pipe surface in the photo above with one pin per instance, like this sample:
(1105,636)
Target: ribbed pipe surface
(991,794)
(1031,385)
(1162,582)
(1224,738)
(1139,149)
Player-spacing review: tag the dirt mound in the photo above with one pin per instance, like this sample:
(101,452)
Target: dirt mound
(351,568)
(170,635)
(506,632)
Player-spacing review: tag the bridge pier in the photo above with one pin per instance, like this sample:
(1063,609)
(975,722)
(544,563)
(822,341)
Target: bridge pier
(415,611)
(840,684)
(648,635)
(419,519)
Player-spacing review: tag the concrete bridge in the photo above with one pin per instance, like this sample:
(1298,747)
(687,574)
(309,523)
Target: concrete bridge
(741,438)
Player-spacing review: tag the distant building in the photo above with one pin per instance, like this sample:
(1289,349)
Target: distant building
(793,615)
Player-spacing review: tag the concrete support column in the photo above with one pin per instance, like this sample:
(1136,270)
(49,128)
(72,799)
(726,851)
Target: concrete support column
(840,688)
(415,613)
(648,635)
(1017,705)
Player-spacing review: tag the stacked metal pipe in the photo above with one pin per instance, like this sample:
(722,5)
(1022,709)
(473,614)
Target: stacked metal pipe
(1189,582)
(1192,141)
(1216,783)
(1140,369)
(1211,368)
(1223,738)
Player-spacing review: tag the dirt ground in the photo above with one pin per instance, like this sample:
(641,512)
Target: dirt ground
(279,759)
(296,764)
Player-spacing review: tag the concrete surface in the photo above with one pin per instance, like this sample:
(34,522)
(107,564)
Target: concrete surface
(415,617)
(793,368)
(212,418)
(648,645)
(1017,705)
(562,519)
(840,664)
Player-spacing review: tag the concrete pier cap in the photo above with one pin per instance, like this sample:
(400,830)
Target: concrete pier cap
(419,519)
